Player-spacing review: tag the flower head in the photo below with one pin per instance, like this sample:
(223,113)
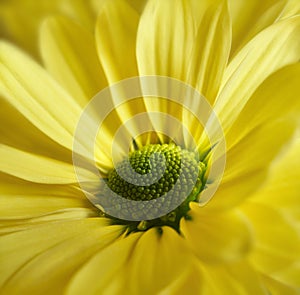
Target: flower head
(113,151)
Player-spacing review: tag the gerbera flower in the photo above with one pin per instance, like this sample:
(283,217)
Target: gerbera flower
(245,240)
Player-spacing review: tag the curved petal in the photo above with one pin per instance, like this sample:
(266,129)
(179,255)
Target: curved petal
(39,169)
(101,269)
(281,190)
(70,55)
(251,17)
(276,251)
(236,278)
(32,91)
(116,39)
(208,59)
(165,38)
(247,163)
(277,288)
(51,254)
(166,257)
(21,199)
(219,237)
(18,132)
(277,97)
(272,49)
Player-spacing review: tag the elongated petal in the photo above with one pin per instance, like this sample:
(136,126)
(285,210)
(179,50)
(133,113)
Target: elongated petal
(164,262)
(278,288)
(236,278)
(23,206)
(190,281)
(21,199)
(247,163)
(70,55)
(277,248)
(116,35)
(272,49)
(281,190)
(32,91)
(216,238)
(251,17)
(12,225)
(51,254)
(99,271)
(164,41)
(37,168)
(209,59)
(17,131)
(277,97)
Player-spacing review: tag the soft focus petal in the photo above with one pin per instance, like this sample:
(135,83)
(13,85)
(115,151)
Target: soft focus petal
(277,97)
(100,270)
(236,278)
(282,187)
(251,17)
(116,35)
(272,49)
(217,238)
(70,55)
(208,59)
(164,41)
(32,91)
(247,163)
(165,257)
(277,288)
(51,254)
(277,242)
(17,131)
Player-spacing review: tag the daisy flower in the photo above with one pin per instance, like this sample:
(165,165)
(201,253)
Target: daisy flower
(96,199)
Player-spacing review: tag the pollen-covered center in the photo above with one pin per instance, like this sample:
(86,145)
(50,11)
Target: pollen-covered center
(164,172)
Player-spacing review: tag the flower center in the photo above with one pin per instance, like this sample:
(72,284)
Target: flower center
(158,171)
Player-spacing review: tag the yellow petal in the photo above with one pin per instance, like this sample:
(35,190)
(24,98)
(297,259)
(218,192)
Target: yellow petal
(277,248)
(284,181)
(11,185)
(32,91)
(116,35)
(208,59)
(165,38)
(159,258)
(20,20)
(277,288)
(116,31)
(21,199)
(277,97)
(70,55)
(272,49)
(138,5)
(82,11)
(51,254)
(188,282)
(235,278)
(99,271)
(247,163)
(12,225)
(17,131)
(39,169)
(292,8)
(251,17)
(219,237)
(24,206)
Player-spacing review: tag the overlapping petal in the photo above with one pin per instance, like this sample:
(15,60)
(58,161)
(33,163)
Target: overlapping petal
(219,237)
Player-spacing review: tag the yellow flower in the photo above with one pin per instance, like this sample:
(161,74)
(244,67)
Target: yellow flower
(245,240)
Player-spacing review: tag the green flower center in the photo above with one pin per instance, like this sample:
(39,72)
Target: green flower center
(157,171)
